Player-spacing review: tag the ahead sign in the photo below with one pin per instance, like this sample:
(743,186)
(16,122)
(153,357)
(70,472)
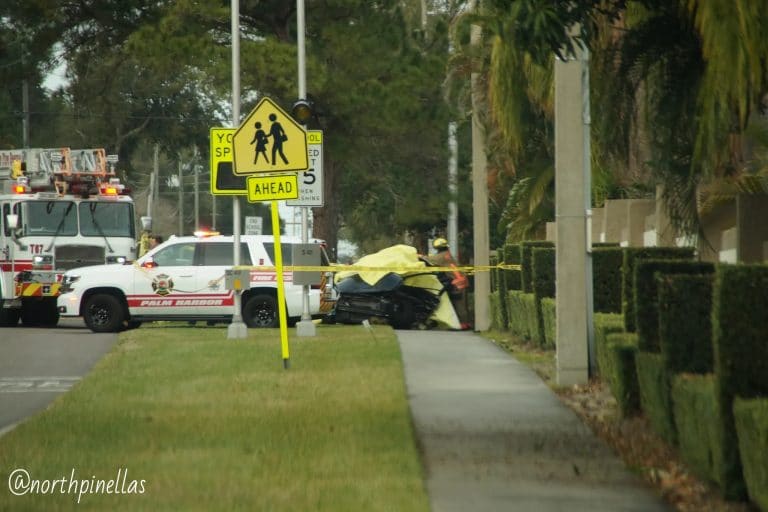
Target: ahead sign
(272,188)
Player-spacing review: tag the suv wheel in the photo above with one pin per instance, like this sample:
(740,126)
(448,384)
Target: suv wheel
(104,313)
(260,311)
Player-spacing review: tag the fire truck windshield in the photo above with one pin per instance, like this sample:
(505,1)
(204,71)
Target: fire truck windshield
(106,219)
(50,218)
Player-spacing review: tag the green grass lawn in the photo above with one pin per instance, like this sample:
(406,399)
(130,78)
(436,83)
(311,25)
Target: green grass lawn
(214,424)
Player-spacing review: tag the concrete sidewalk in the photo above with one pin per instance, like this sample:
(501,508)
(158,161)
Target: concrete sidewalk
(494,437)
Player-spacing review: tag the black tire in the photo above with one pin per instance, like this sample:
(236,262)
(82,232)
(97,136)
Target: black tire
(39,312)
(9,317)
(132,324)
(261,311)
(104,313)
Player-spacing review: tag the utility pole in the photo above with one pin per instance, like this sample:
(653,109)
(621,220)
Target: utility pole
(572,207)
(481,235)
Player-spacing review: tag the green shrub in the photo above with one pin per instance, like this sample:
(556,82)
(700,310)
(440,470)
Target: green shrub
(493,299)
(526,261)
(631,255)
(543,277)
(752,431)
(518,314)
(503,309)
(606,278)
(513,278)
(647,295)
(621,373)
(685,323)
(531,317)
(548,308)
(605,324)
(696,420)
(655,393)
(543,281)
(739,327)
(493,260)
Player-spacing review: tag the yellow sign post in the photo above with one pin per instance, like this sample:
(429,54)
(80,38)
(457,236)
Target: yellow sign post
(269,140)
(282,313)
(272,188)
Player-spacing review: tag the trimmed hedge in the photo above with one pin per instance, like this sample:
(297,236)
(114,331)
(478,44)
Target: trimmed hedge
(606,278)
(543,281)
(526,261)
(631,256)
(752,428)
(522,314)
(697,423)
(685,323)
(543,272)
(605,324)
(655,393)
(620,371)
(493,259)
(501,283)
(512,256)
(493,299)
(548,308)
(739,327)
(647,295)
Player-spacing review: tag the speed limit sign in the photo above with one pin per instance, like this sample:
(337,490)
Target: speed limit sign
(311,180)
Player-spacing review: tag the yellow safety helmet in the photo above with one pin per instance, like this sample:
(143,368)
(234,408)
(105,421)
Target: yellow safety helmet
(440,243)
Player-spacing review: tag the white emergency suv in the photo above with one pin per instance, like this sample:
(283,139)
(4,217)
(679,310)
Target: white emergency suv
(184,279)
(60,208)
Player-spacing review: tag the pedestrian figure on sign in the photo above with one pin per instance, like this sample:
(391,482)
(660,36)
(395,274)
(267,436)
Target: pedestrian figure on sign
(278,137)
(260,139)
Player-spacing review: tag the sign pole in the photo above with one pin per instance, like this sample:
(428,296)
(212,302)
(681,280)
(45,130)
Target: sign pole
(237,329)
(305,327)
(280,286)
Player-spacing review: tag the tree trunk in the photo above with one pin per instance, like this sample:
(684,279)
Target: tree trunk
(327,219)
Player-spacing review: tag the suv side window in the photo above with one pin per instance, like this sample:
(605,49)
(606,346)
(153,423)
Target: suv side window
(286,250)
(177,255)
(221,254)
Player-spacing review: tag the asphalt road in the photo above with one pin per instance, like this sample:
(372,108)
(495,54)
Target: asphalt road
(39,364)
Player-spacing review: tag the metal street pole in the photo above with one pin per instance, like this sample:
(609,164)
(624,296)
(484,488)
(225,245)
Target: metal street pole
(196,170)
(181,199)
(305,327)
(237,329)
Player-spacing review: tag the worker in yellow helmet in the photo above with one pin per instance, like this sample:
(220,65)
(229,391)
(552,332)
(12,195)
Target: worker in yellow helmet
(459,282)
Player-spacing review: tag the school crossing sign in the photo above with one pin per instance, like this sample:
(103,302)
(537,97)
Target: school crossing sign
(269,140)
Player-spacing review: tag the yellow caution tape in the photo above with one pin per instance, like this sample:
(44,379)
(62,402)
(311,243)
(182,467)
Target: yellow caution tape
(358,268)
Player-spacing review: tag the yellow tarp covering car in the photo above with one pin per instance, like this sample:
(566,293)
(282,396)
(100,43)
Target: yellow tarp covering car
(404,260)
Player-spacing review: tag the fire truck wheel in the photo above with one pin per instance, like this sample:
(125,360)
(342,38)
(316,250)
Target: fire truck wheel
(9,317)
(104,313)
(260,311)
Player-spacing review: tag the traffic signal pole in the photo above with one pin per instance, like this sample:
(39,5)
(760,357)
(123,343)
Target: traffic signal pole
(237,329)
(305,327)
